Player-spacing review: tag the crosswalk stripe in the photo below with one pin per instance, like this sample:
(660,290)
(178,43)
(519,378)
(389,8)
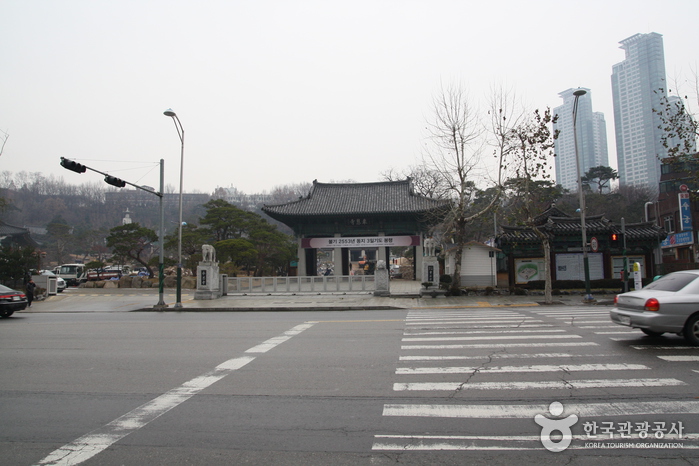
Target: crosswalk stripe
(582,320)
(492,337)
(492,443)
(470,332)
(484,326)
(529,411)
(553,384)
(680,358)
(645,347)
(475,321)
(498,356)
(515,369)
(499,345)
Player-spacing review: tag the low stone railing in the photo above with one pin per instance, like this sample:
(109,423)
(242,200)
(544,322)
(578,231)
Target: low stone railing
(324,284)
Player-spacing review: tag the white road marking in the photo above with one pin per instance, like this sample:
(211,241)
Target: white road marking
(408,331)
(599,326)
(499,345)
(474,321)
(516,369)
(493,337)
(494,443)
(528,411)
(622,332)
(644,347)
(499,356)
(472,332)
(680,358)
(584,321)
(100,439)
(554,384)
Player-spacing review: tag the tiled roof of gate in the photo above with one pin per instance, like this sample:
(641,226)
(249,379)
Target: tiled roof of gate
(357,198)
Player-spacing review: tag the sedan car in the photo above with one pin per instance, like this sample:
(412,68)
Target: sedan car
(11,301)
(667,305)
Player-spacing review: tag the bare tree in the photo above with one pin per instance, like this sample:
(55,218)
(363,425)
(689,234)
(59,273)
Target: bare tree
(426,182)
(533,145)
(678,121)
(459,138)
(4,136)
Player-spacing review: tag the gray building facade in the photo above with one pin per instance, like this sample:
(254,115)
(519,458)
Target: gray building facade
(592,139)
(638,85)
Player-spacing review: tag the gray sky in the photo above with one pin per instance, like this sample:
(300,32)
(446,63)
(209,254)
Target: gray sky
(277,92)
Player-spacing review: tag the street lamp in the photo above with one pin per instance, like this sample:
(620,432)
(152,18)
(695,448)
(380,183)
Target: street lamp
(586,262)
(180,132)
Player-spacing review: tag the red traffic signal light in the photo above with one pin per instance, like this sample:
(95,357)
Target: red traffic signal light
(615,239)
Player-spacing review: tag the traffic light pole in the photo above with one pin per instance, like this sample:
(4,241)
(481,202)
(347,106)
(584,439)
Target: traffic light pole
(79,168)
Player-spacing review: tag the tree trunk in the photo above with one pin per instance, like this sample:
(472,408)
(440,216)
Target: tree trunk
(548,298)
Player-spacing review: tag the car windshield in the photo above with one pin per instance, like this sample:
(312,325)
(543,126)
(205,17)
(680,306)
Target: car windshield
(4,289)
(672,282)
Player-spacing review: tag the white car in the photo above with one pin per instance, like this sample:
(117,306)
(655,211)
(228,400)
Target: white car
(60,283)
(667,305)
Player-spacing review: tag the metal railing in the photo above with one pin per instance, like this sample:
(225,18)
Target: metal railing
(324,284)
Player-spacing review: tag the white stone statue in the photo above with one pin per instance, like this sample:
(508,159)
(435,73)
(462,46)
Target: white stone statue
(208,253)
(430,246)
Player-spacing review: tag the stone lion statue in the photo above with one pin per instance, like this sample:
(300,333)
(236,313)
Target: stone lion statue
(208,253)
(430,246)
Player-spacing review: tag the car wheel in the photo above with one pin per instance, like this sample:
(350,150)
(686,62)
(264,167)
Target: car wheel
(6,313)
(651,333)
(691,330)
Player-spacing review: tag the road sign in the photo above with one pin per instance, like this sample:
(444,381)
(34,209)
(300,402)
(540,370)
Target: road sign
(594,244)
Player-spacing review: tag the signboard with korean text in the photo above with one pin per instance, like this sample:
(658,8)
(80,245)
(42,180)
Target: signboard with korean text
(684,238)
(685,212)
(360,242)
(572,266)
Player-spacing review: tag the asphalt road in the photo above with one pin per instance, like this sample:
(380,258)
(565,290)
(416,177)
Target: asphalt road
(433,386)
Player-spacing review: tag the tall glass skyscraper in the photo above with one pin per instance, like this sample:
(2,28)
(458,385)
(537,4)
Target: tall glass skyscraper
(638,85)
(592,139)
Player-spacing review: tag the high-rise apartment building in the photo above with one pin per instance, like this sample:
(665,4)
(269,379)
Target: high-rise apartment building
(638,85)
(592,139)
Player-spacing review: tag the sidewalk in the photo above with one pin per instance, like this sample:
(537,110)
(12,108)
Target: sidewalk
(144,300)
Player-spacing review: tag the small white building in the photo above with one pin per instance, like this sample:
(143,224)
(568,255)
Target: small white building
(478,264)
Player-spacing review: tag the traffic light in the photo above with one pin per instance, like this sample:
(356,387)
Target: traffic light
(114,181)
(616,239)
(73,166)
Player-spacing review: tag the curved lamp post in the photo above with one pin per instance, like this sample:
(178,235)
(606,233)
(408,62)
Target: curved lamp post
(180,132)
(586,262)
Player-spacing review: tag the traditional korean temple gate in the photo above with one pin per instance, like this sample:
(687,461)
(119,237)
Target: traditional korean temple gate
(349,218)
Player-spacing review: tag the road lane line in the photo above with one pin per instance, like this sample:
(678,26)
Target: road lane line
(102,438)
